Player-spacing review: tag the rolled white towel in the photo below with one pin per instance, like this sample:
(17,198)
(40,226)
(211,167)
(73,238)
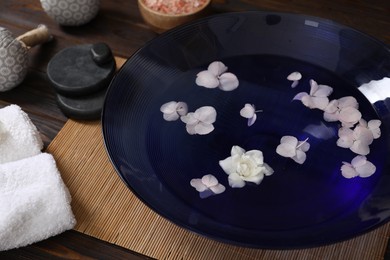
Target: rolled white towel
(34,202)
(19,138)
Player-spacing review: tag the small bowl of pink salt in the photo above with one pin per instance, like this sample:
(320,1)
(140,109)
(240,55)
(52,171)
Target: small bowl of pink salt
(163,15)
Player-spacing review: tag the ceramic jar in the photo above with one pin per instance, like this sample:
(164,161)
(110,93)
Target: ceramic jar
(71,12)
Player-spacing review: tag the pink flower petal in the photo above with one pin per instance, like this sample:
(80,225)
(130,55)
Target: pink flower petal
(332,106)
(206,79)
(313,87)
(228,81)
(217,68)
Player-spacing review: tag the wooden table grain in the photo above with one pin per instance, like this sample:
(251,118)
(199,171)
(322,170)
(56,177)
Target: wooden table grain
(120,25)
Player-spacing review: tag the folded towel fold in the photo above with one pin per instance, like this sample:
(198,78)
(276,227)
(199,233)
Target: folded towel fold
(34,202)
(19,138)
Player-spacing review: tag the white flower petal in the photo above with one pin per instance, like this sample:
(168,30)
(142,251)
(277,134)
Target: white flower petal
(237,150)
(235,181)
(345,142)
(348,101)
(319,102)
(294,76)
(203,128)
(209,180)
(323,91)
(363,134)
(252,120)
(228,81)
(227,165)
(348,171)
(360,148)
(218,189)
(295,83)
(171,117)
(332,107)
(217,68)
(189,119)
(349,115)
(206,114)
(181,108)
(169,107)
(313,87)
(267,170)
(286,150)
(247,111)
(198,185)
(206,79)
(300,157)
(300,95)
(256,156)
(255,178)
(358,161)
(374,125)
(366,170)
(331,117)
(288,139)
(304,146)
(191,129)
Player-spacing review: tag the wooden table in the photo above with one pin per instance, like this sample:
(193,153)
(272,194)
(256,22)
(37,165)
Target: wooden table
(120,25)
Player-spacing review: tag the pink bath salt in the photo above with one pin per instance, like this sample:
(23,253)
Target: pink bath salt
(174,6)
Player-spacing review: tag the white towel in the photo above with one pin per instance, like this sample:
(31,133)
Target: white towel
(34,202)
(19,138)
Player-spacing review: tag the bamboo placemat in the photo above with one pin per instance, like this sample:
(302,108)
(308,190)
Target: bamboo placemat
(106,209)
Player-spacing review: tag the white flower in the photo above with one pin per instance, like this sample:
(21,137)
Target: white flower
(249,111)
(359,166)
(216,76)
(208,185)
(3,131)
(359,138)
(244,166)
(290,147)
(294,77)
(344,110)
(318,96)
(173,110)
(201,121)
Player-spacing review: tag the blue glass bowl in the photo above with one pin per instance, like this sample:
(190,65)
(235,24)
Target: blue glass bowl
(299,205)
